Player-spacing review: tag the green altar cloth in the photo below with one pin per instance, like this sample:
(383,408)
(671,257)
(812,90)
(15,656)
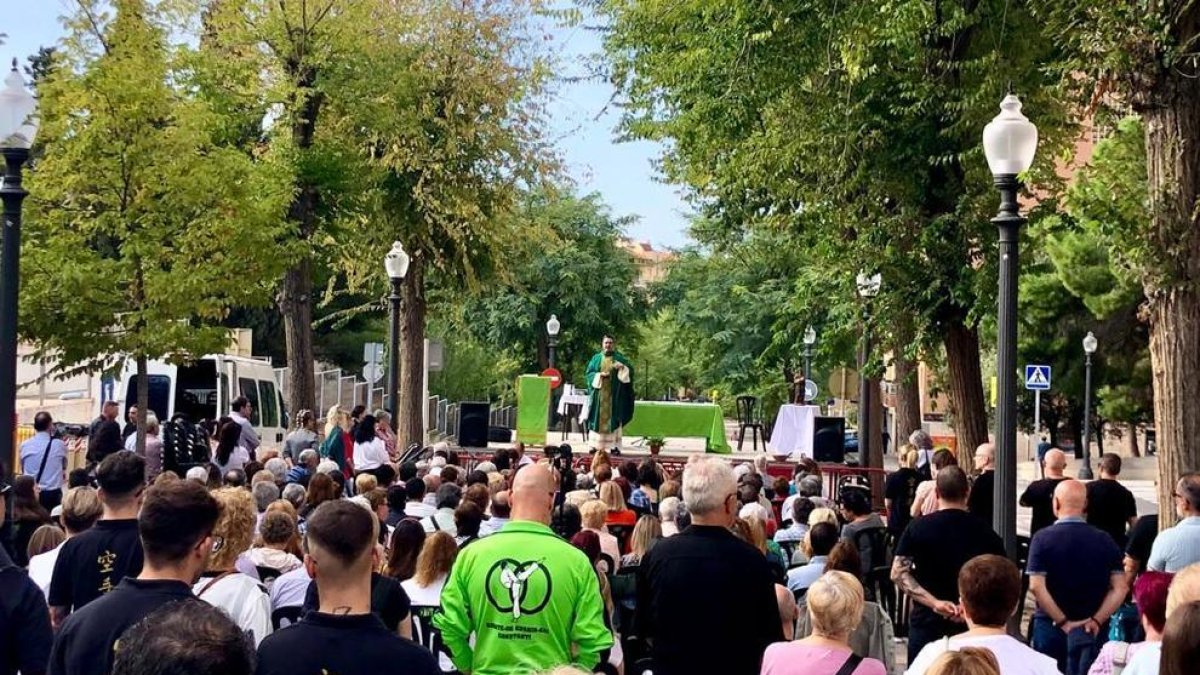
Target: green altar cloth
(680,420)
(533,406)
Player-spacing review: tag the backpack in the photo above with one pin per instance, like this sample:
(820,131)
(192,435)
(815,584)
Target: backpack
(874,545)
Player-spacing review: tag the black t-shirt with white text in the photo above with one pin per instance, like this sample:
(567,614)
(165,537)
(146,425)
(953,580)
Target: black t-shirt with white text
(88,640)
(939,545)
(94,562)
(1110,505)
(356,644)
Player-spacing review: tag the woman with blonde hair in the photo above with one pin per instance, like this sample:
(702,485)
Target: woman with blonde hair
(81,509)
(646,533)
(900,491)
(614,501)
(835,603)
(242,597)
(821,515)
(338,446)
(593,514)
(966,661)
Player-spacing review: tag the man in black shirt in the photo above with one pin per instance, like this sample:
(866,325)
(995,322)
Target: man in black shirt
(175,526)
(930,555)
(1141,540)
(342,636)
(104,436)
(704,586)
(94,562)
(189,636)
(1039,496)
(1110,505)
(983,490)
(25,634)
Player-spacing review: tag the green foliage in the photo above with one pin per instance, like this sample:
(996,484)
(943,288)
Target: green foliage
(848,133)
(144,230)
(1086,281)
(574,270)
(474,370)
(446,127)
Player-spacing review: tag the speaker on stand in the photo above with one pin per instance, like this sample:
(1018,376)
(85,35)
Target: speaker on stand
(473,424)
(829,439)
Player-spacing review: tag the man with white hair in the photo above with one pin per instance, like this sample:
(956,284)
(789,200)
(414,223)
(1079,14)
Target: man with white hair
(294,493)
(921,440)
(706,586)
(264,493)
(305,468)
(667,510)
(328,466)
(198,474)
(278,468)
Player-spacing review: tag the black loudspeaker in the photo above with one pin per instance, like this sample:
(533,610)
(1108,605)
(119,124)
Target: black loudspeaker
(829,439)
(473,424)
(499,434)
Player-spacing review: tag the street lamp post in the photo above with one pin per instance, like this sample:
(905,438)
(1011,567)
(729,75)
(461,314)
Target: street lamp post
(396,264)
(552,328)
(868,287)
(18,126)
(1089,348)
(810,338)
(1009,142)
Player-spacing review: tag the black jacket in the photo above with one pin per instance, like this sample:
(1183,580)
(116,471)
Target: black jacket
(25,633)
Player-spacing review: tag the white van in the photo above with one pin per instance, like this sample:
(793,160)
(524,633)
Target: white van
(203,390)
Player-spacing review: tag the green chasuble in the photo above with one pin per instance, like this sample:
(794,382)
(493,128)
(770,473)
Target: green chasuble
(611,404)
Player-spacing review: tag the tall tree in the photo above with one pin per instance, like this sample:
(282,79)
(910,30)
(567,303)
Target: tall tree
(144,230)
(449,121)
(1143,55)
(853,126)
(295,46)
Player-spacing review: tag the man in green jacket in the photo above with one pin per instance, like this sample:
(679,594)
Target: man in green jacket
(531,599)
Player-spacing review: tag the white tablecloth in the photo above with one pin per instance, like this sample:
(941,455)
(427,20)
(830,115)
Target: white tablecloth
(793,431)
(577,397)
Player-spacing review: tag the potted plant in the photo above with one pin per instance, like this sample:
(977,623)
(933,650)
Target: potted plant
(655,443)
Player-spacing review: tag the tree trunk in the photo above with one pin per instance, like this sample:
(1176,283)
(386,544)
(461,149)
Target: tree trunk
(1131,442)
(295,303)
(965,389)
(410,426)
(295,299)
(908,392)
(143,402)
(1172,147)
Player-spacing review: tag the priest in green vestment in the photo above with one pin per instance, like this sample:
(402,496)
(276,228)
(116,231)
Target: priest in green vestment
(610,395)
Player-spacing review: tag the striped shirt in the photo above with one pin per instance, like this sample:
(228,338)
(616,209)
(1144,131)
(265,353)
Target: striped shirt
(1176,547)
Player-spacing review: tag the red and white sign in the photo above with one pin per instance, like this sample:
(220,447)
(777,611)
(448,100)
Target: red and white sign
(555,377)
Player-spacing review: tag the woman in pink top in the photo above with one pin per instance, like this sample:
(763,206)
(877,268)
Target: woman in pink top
(1150,596)
(835,605)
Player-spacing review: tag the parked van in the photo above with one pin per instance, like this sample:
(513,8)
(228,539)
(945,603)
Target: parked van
(203,390)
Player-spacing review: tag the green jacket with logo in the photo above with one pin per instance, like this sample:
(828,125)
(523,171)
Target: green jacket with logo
(531,599)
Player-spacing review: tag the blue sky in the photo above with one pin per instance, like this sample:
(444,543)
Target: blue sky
(582,123)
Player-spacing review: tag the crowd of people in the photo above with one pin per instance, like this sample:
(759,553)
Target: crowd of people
(333,554)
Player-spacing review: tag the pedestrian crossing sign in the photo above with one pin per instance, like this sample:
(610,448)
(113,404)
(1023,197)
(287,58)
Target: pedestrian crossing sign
(1037,378)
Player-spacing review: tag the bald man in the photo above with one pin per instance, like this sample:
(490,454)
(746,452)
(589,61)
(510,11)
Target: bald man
(1077,577)
(983,489)
(531,599)
(1039,496)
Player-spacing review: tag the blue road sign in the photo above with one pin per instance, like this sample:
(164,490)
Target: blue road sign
(1037,378)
